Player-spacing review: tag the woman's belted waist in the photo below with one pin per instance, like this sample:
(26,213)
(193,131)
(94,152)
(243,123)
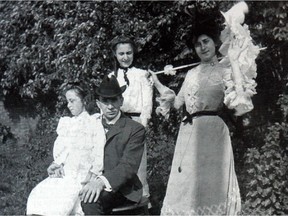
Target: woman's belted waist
(188,118)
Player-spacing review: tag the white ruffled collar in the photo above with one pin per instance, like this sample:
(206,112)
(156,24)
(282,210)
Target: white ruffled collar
(81,115)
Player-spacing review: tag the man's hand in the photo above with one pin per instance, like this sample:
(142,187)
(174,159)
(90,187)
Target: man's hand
(56,170)
(144,122)
(91,191)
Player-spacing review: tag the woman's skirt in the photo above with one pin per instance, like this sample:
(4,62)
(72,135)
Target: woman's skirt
(202,179)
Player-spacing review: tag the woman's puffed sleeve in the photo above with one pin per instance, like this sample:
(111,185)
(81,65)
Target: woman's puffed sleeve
(240,54)
(180,100)
(60,149)
(165,100)
(239,101)
(147,97)
(99,140)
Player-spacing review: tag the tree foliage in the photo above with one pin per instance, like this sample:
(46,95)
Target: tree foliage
(47,43)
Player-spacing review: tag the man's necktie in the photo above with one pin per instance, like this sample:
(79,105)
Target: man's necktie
(106,125)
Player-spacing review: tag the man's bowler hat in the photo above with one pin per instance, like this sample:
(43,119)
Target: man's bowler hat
(109,87)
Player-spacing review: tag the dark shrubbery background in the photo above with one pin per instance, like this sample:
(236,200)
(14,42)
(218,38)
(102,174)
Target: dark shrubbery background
(47,43)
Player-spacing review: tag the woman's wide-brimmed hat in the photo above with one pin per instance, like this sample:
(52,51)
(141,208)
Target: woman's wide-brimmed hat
(110,87)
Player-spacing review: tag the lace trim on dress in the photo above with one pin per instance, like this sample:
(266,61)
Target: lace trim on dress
(81,134)
(76,126)
(194,79)
(230,207)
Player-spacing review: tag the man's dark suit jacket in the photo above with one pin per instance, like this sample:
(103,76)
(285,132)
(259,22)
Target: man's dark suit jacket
(122,156)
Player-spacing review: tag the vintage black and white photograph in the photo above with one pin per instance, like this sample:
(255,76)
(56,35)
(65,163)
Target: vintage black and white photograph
(127,107)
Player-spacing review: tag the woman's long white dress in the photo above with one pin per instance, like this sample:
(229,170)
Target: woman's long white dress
(202,179)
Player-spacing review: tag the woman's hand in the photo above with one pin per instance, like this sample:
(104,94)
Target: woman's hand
(56,170)
(153,75)
(237,46)
(155,79)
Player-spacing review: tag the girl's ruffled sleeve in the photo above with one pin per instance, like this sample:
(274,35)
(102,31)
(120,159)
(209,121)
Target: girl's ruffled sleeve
(147,97)
(60,149)
(99,140)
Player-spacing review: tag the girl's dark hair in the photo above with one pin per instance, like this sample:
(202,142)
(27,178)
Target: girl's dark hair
(77,87)
(84,94)
(121,40)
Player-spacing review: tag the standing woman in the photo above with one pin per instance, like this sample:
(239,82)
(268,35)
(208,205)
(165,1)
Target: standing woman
(138,94)
(202,179)
(78,149)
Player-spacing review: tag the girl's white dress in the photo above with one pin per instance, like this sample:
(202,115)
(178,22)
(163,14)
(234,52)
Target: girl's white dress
(80,147)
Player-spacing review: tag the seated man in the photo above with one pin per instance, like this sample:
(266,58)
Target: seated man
(123,151)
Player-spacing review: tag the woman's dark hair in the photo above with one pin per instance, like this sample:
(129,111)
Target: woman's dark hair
(121,40)
(207,27)
(212,34)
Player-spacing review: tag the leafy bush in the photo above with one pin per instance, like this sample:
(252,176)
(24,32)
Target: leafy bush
(266,172)
(6,134)
(160,139)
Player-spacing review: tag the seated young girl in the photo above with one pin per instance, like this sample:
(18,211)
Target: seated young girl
(77,150)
